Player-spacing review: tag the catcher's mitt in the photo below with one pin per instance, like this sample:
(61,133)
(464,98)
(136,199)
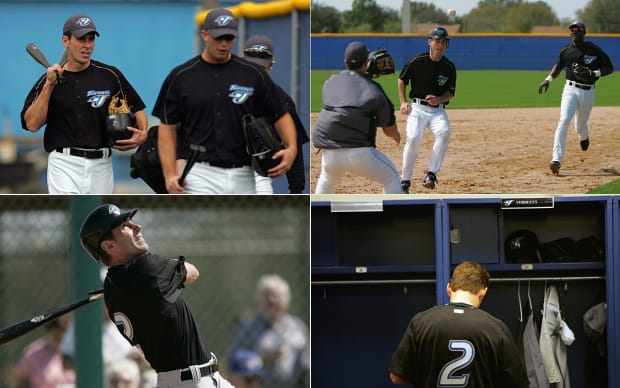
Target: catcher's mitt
(118,119)
(380,63)
(582,72)
(262,142)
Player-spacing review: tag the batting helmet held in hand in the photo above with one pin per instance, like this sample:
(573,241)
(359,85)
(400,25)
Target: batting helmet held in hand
(522,246)
(100,222)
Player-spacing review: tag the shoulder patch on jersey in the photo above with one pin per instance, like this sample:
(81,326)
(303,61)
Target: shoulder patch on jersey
(442,79)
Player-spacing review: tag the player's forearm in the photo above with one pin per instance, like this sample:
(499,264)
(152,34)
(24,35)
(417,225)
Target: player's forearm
(142,121)
(36,114)
(398,380)
(285,126)
(167,146)
(401,91)
(391,130)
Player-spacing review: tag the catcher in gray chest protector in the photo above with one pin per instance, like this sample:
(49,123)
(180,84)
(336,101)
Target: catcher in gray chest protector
(262,143)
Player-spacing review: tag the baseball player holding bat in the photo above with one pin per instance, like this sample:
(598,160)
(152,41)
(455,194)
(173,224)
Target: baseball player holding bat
(209,94)
(433,83)
(143,295)
(75,114)
(585,63)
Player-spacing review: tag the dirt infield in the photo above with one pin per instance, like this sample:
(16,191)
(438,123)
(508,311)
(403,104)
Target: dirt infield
(496,151)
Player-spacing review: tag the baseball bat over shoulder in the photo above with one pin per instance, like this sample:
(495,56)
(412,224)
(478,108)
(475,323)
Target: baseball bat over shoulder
(37,54)
(17,330)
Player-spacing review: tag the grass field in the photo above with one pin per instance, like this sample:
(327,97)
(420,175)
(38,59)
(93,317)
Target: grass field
(490,89)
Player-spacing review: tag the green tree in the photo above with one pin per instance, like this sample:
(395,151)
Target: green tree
(601,16)
(489,16)
(527,15)
(324,18)
(364,12)
(427,13)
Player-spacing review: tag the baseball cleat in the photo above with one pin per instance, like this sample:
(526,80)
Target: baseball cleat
(555,167)
(585,144)
(405,186)
(429,180)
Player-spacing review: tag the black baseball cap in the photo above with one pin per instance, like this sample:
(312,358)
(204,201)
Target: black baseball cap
(220,22)
(79,25)
(259,50)
(578,24)
(356,54)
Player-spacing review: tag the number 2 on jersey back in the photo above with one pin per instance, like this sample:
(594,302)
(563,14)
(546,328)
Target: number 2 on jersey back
(447,377)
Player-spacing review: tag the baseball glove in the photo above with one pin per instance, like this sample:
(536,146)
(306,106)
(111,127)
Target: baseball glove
(380,63)
(581,71)
(262,142)
(118,119)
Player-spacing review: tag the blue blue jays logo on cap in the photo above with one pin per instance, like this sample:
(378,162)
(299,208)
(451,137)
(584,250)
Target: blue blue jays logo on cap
(223,20)
(83,22)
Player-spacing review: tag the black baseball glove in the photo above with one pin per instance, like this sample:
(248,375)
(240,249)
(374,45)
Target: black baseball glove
(582,72)
(380,63)
(262,142)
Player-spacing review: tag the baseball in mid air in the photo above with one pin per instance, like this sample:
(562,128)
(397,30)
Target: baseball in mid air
(452,13)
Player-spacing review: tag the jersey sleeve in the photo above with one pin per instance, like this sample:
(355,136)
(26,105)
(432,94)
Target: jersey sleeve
(133,98)
(403,357)
(405,73)
(167,106)
(166,276)
(32,95)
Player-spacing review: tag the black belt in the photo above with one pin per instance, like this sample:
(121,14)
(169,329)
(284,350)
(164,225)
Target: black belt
(580,86)
(225,164)
(424,102)
(88,154)
(186,374)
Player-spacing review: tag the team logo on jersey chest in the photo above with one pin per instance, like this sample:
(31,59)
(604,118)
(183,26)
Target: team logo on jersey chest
(240,94)
(442,79)
(97,98)
(588,59)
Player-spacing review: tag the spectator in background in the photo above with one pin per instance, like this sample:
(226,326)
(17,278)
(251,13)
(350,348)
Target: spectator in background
(245,369)
(41,364)
(278,337)
(122,373)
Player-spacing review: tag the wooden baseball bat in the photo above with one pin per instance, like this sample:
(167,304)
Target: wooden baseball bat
(36,54)
(195,151)
(17,330)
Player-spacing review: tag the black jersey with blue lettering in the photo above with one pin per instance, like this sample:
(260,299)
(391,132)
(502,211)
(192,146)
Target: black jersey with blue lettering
(144,300)
(457,345)
(429,77)
(587,54)
(77,110)
(208,100)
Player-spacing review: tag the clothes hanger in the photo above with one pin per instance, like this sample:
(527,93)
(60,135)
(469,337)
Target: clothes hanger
(519,299)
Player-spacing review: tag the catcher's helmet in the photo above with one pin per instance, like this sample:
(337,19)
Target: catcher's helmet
(100,222)
(522,246)
(579,25)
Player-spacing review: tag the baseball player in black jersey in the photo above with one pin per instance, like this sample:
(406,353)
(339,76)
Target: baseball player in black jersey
(585,63)
(258,49)
(208,95)
(142,293)
(459,345)
(75,112)
(433,84)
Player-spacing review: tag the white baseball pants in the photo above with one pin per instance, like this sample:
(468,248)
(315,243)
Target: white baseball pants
(577,102)
(68,174)
(206,179)
(363,161)
(421,117)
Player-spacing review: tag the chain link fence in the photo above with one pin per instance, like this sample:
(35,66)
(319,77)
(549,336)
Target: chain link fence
(232,240)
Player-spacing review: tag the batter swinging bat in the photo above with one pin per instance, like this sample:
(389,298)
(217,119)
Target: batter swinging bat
(38,56)
(195,151)
(9,333)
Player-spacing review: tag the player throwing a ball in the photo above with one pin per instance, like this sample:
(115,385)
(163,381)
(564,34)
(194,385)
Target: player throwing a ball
(585,63)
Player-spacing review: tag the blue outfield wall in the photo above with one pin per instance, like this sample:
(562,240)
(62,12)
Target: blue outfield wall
(468,52)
